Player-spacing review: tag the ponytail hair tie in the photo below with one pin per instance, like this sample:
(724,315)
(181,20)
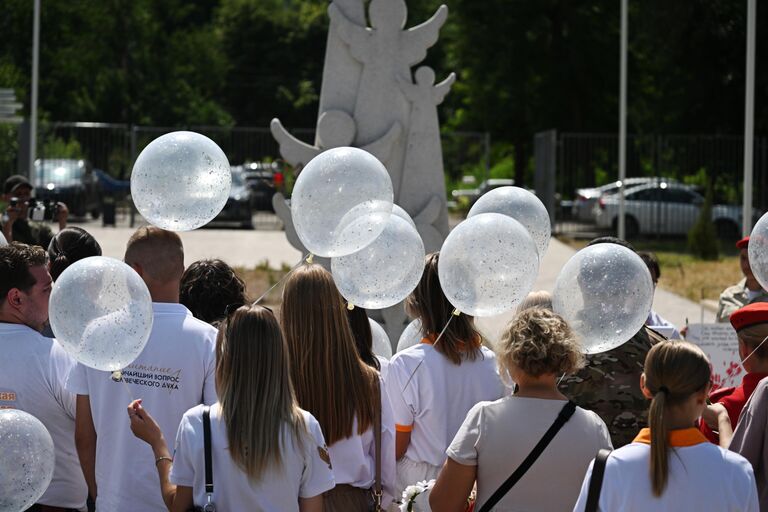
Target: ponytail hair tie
(664,389)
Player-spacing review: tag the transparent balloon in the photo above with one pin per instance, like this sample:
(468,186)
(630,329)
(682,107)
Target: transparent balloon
(487,265)
(181,181)
(384,272)
(341,202)
(758,251)
(521,205)
(3,241)
(101,313)
(397,210)
(26,460)
(381,344)
(605,293)
(412,335)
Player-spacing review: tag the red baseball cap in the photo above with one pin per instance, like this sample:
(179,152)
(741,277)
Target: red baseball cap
(752,314)
(743,243)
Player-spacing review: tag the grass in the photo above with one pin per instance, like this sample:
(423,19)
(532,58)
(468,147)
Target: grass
(683,273)
(260,279)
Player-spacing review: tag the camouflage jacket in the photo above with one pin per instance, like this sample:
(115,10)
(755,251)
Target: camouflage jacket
(610,386)
(736,297)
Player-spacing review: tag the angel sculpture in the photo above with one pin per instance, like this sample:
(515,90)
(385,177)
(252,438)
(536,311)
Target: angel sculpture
(335,128)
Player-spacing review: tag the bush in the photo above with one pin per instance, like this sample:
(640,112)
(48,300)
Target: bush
(702,239)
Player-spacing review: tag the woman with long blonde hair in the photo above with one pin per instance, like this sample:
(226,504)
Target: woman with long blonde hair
(338,388)
(267,453)
(670,466)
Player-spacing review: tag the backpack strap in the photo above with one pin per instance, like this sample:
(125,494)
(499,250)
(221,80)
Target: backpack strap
(207,449)
(565,414)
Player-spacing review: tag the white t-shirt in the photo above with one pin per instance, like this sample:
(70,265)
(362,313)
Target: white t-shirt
(435,402)
(702,477)
(303,474)
(354,458)
(32,373)
(498,436)
(384,364)
(173,373)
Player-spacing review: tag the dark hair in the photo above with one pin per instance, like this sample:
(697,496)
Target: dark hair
(68,246)
(612,240)
(429,304)
(15,261)
(651,262)
(208,286)
(361,331)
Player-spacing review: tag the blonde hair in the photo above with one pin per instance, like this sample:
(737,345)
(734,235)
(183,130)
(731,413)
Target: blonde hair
(255,392)
(674,370)
(429,304)
(539,299)
(160,253)
(539,342)
(330,379)
(752,336)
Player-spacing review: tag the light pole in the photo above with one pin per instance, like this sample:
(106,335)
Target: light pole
(623,121)
(749,119)
(35,77)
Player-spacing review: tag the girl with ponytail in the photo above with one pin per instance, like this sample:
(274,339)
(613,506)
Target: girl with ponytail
(670,465)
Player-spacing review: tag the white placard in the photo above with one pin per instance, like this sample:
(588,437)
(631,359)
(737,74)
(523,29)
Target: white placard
(720,343)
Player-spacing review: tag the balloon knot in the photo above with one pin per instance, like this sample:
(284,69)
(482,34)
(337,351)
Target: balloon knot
(456,312)
(310,259)
(350,306)
(117,376)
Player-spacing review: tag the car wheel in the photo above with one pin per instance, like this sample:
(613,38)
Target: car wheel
(726,230)
(631,226)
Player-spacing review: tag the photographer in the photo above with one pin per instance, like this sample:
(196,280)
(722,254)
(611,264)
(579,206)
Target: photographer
(17,227)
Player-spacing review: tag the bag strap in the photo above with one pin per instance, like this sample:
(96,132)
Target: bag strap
(377,440)
(565,414)
(596,480)
(207,446)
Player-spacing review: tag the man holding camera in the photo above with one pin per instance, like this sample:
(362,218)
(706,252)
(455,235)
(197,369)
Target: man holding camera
(17,227)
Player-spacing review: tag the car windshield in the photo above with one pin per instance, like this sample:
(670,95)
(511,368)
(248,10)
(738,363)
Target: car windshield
(238,180)
(58,171)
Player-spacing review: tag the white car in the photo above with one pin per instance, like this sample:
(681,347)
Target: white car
(665,208)
(587,198)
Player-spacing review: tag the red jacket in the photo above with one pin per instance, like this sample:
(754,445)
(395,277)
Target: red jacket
(733,399)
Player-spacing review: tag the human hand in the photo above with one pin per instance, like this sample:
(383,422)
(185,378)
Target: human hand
(714,415)
(12,214)
(62,214)
(143,425)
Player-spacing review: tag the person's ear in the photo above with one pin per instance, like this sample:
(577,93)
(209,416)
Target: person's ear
(14,298)
(647,394)
(743,350)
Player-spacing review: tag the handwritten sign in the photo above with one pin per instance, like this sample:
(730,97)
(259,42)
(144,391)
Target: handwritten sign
(720,343)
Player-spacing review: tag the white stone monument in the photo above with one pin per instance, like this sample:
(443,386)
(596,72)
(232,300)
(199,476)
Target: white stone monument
(370,99)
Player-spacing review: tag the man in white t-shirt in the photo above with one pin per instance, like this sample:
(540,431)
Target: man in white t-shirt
(174,373)
(33,368)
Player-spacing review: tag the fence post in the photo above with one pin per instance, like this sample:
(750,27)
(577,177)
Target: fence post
(545,147)
(487,157)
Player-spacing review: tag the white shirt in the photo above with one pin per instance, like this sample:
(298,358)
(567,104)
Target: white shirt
(173,373)
(303,473)
(497,436)
(435,402)
(668,329)
(384,364)
(32,373)
(354,458)
(702,477)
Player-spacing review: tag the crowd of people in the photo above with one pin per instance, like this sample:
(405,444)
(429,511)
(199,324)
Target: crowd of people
(233,405)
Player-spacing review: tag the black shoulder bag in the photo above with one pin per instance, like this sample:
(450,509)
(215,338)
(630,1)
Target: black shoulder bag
(596,480)
(565,414)
(210,506)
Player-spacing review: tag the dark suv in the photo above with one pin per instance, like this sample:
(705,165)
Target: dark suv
(264,179)
(70,181)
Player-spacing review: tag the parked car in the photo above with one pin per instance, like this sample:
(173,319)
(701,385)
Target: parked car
(586,198)
(70,181)
(665,208)
(471,195)
(239,207)
(264,180)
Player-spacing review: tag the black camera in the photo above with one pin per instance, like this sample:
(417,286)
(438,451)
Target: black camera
(38,210)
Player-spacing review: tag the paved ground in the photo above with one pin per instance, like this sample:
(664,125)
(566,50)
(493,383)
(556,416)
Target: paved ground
(248,248)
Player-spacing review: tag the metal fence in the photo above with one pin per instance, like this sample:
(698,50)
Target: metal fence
(668,178)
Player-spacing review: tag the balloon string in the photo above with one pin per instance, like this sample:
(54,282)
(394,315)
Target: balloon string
(308,258)
(117,376)
(561,379)
(455,313)
(750,354)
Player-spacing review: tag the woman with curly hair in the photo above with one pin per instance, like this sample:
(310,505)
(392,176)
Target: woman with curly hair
(207,287)
(497,437)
